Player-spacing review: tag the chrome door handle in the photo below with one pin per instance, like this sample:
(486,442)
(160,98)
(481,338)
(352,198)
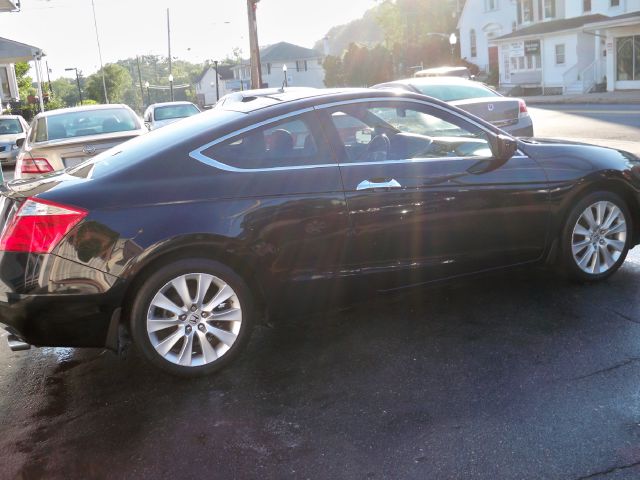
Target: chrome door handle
(372,185)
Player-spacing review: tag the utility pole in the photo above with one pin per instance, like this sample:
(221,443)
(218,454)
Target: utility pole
(77,81)
(140,81)
(49,77)
(256,72)
(104,81)
(215,62)
(170,60)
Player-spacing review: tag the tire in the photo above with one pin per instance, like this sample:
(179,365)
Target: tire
(596,237)
(197,339)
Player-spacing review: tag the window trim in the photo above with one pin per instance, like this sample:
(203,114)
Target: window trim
(201,157)
(473,43)
(564,53)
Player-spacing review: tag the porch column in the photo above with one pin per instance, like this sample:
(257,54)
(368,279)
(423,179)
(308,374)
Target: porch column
(611,62)
(36,61)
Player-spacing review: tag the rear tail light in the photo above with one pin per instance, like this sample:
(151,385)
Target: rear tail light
(39,225)
(523,109)
(35,165)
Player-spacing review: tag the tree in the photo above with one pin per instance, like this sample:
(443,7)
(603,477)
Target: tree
(334,72)
(117,79)
(67,90)
(25,82)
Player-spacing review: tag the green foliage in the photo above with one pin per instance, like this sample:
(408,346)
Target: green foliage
(25,82)
(67,90)
(117,79)
(359,67)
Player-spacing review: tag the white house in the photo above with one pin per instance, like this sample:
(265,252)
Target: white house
(558,46)
(304,66)
(8,84)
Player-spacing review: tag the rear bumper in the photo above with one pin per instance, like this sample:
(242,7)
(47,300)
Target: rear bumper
(61,303)
(524,128)
(9,158)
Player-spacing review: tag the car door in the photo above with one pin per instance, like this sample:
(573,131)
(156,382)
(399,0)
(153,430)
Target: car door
(422,197)
(292,216)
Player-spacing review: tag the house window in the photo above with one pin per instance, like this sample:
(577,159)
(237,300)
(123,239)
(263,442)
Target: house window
(268,69)
(615,3)
(490,5)
(473,43)
(549,8)
(527,11)
(586,6)
(628,58)
(301,65)
(306,66)
(560,56)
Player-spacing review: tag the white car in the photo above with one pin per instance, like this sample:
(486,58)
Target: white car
(12,129)
(162,114)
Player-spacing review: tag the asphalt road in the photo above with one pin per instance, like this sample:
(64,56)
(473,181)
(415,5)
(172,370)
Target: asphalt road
(512,376)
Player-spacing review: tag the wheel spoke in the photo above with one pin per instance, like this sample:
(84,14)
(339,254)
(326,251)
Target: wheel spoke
(163,302)
(584,261)
(588,216)
(208,352)
(224,294)
(168,343)
(180,285)
(601,208)
(579,246)
(595,261)
(619,228)
(614,214)
(617,245)
(157,324)
(580,230)
(187,350)
(225,337)
(608,258)
(231,315)
(204,282)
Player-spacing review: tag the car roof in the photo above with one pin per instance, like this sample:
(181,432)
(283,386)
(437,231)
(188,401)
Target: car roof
(437,81)
(166,104)
(251,100)
(437,70)
(83,108)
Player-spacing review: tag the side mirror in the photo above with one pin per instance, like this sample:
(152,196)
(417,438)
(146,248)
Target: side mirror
(20,142)
(148,125)
(503,148)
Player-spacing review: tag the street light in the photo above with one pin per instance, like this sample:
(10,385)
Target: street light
(453,40)
(284,71)
(171,85)
(77,81)
(146,85)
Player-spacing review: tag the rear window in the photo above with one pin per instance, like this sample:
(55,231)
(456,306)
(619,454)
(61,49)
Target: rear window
(86,123)
(451,93)
(175,111)
(9,126)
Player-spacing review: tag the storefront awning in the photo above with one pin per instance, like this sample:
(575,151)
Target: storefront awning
(12,51)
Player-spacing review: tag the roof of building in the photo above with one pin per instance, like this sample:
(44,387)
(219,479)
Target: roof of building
(286,51)
(224,70)
(554,26)
(626,16)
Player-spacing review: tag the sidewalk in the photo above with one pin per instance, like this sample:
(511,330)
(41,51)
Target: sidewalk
(620,97)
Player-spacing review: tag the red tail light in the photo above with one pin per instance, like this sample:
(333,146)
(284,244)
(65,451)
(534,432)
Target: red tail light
(39,225)
(523,109)
(36,165)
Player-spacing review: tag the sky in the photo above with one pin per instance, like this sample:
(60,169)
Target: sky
(200,29)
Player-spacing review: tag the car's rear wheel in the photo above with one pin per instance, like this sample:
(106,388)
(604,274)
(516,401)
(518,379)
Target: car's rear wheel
(192,317)
(596,237)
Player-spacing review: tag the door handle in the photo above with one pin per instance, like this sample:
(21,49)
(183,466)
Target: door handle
(373,185)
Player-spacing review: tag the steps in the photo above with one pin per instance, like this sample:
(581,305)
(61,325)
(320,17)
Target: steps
(574,89)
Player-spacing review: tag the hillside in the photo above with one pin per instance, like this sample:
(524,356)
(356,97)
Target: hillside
(365,31)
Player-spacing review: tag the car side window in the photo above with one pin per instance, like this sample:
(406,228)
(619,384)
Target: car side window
(388,131)
(290,142)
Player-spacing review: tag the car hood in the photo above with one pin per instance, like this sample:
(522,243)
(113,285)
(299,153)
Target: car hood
(11,137)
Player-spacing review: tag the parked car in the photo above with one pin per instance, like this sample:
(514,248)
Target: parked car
(13,128)
(190,235)
(509,114)
(66,137)
(461,72)
(162,114)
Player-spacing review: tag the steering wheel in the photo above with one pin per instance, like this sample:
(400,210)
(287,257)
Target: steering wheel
(377,149)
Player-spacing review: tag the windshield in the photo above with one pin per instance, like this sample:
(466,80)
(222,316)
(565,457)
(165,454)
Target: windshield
(87,122)
(9,126)
(451,93)
(175,111)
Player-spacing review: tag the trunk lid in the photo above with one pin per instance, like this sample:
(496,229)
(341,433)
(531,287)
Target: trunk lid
(499,111)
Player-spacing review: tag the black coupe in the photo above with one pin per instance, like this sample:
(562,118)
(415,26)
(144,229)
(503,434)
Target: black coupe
(186,237)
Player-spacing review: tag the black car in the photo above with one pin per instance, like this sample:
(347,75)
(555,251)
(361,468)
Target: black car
(188,236)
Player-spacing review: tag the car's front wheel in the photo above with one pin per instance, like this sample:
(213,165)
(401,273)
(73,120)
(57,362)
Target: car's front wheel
(192,317)
(596,237)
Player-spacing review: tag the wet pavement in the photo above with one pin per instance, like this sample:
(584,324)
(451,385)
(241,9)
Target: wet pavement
(513,376)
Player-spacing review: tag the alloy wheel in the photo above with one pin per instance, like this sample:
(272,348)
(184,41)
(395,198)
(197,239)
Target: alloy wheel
(599,238)
(194,319)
